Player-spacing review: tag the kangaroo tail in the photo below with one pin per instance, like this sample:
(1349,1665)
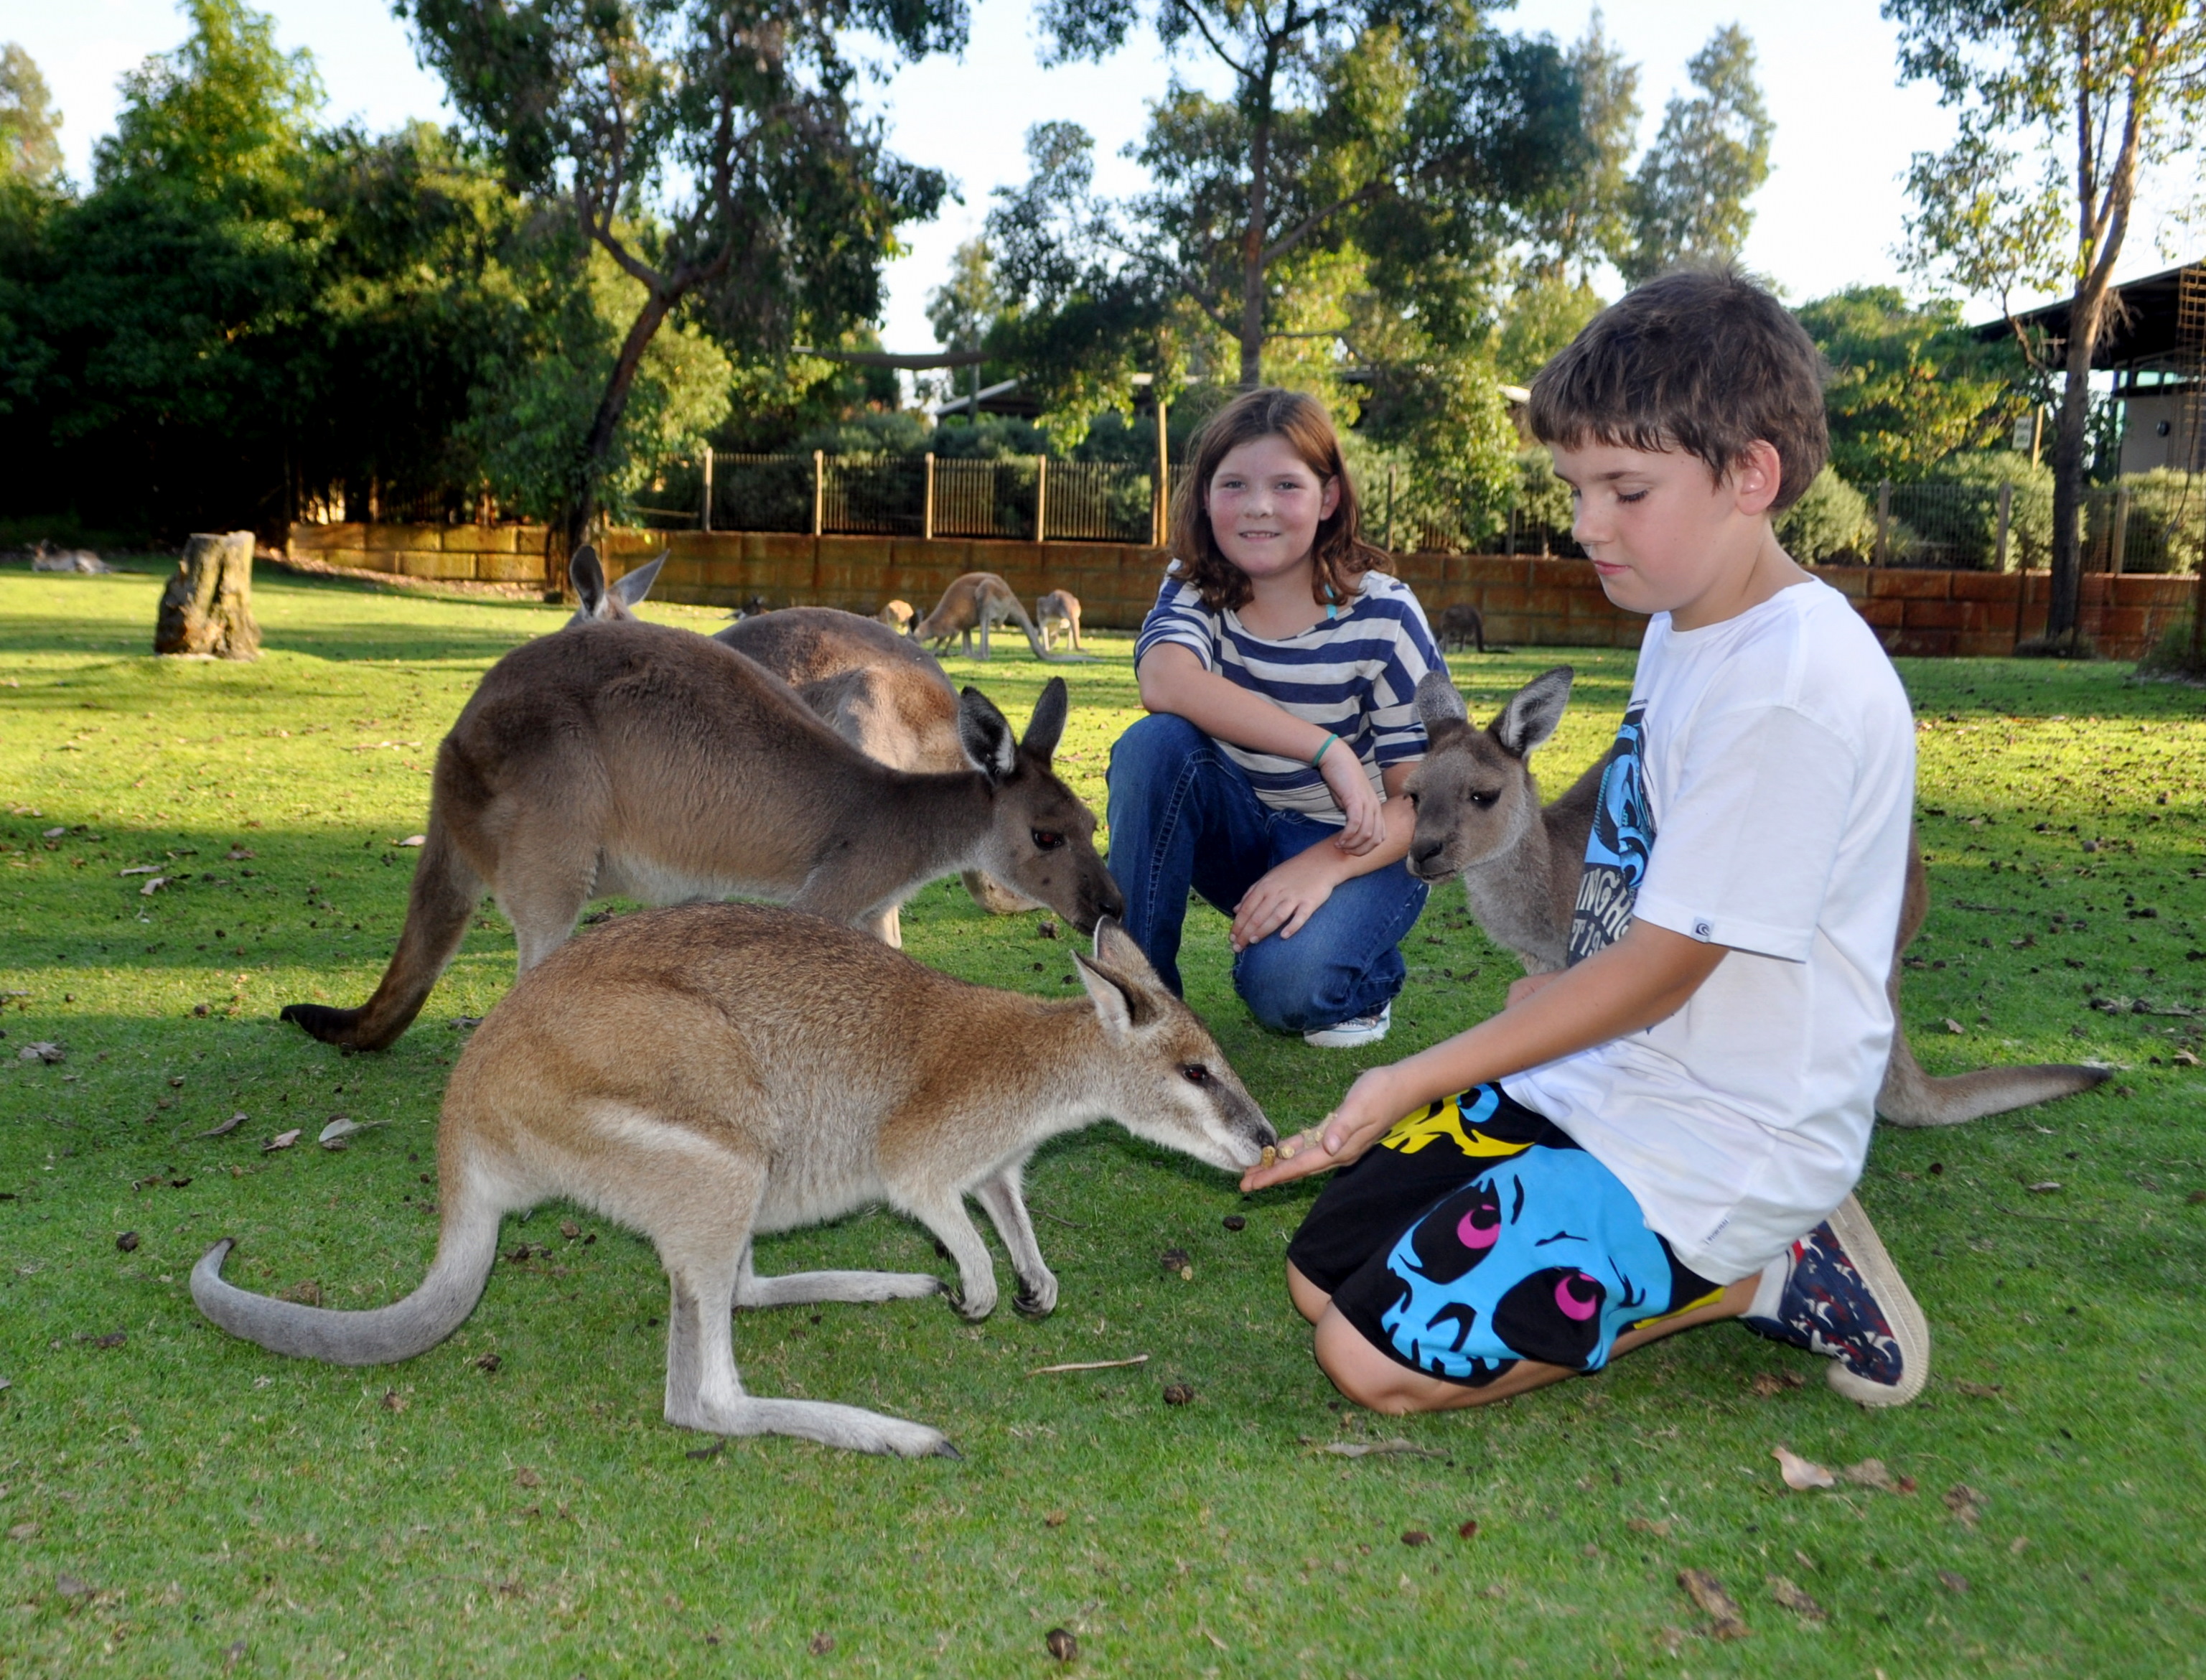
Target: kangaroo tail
(1913,1097)
(465,1252)
(445,892)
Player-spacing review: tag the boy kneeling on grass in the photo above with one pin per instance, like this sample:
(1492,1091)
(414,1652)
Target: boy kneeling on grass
(1667,1132)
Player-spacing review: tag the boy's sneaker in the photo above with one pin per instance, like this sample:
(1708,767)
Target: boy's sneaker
(1845,1299)
(1357,1030)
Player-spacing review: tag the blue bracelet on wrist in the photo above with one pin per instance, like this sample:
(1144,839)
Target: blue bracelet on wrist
(1324,747)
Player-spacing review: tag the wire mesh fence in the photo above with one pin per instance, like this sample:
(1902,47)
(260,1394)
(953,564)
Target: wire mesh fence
(2154,522)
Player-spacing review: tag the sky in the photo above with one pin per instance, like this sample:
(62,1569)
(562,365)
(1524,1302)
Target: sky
(1829,217)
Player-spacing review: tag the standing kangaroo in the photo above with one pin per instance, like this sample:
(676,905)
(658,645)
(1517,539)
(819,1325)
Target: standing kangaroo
(976,601)
(1059,606)
(706,1073)
(1479,815)
(883,693)
(630,758)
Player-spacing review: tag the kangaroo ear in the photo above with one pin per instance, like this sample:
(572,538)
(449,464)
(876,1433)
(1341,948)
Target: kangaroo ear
(1438,705)
(985,737)
(1532,712)
(588,579)
(635,585)
(1046,727)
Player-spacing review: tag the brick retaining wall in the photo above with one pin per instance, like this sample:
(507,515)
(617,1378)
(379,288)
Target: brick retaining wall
(1541,603)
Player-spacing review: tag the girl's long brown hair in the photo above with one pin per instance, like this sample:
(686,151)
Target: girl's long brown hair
(1339,554)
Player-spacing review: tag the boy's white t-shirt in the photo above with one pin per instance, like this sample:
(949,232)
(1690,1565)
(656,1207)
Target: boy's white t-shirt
(1759,797)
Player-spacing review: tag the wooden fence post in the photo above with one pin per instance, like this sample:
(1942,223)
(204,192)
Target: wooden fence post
(2006,520)
(1160,521)
(2117,539)
(1391,472)
(1882,555)
(1042,497)
(926,508)
(818,490)
(705,514)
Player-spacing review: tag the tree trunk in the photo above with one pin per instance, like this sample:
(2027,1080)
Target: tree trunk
(574,529)
(1252,244)
(207,608)
(2064,607)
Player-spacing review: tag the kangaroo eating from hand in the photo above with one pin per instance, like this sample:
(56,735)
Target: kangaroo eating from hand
(883,693)
(635,759)
(976,601)
(709,1073)
(1479,816)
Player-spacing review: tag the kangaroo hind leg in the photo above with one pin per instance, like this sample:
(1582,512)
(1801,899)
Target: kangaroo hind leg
(545,878)
(804,1289)
(700,1221)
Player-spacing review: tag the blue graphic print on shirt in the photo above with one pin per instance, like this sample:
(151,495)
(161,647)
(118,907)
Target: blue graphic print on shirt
(1616,849)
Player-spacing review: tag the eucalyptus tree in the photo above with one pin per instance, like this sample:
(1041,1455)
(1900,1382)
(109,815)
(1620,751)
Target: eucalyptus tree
(1407,133)
(1689,198)
(710,148)
(2093,93)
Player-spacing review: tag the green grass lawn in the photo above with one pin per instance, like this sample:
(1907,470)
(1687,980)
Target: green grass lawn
(175,1502)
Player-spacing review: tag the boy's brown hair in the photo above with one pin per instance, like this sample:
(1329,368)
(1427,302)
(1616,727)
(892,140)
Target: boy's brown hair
(1339,555)
(1699,360)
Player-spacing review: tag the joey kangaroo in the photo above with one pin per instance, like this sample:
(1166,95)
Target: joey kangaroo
(884,693)
(599,601)
(1479,815)
(977,600)
(708,1073)
(1059,606)
(629,757)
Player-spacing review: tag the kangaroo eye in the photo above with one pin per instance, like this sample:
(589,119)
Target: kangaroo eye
(1195,1074)
(1483,799)
(1047,839)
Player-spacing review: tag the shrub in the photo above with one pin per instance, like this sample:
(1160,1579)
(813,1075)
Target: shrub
(1832,521)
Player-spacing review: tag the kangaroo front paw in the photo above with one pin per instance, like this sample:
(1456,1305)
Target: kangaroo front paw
(1037,1300)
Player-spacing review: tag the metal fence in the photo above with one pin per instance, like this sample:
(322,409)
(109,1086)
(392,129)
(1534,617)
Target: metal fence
(1026,498)
(2154,523)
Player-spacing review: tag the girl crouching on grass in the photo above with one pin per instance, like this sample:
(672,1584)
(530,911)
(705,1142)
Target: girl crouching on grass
(1280,670)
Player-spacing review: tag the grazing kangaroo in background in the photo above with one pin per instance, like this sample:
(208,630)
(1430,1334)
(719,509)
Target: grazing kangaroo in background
(598,602)
(1462,623)
(636,759)
(706,1074)
(1059,606)
(896,615)
(1479,815)
(883,693)
(977,600)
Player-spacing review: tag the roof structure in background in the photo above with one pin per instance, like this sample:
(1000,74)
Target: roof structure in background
(2141,327)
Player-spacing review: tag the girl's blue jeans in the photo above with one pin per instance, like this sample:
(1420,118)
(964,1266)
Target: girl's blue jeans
(1184,817)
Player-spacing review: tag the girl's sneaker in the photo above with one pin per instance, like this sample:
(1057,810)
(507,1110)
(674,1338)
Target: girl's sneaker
(1357,1030)
(1845,1299)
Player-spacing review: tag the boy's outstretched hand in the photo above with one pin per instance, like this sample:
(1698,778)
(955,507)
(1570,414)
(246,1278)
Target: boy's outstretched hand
(1365,1114)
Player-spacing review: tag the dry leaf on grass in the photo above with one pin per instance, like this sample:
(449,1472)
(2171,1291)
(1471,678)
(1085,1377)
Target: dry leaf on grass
(280,1140)
(1966,1505)
(527,1477)
(1769,1383)
(1953,1026)
(1721,1608)
(2045,1188)
(1952,1583)
(340,1128)
(1790,1596)
(306,1292)
(42,1052)
(1800,1474)
(24,1531)
(225,1129)
(393,1401)
(1060,1644)
(1641,1525)
(822,1643)
(1373,1448)
(1870,1473)
(1415,1537)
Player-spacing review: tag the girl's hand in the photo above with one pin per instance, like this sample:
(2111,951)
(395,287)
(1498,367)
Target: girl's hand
(1365,1113)
(1351,791)
(1286,897)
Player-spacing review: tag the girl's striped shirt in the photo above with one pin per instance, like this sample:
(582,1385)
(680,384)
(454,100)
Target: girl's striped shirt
(1355,673)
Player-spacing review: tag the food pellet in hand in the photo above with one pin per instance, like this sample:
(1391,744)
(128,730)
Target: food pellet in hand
(1269,1156)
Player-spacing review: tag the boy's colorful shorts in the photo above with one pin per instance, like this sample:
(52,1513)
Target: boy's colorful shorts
(1476,1234)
